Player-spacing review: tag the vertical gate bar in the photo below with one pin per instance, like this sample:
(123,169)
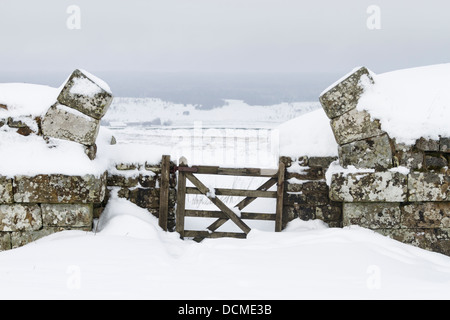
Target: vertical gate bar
(164,192)
(280,196)
(181,200)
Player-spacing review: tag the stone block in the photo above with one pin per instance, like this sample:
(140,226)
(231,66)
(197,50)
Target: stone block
(148,180)
(427,144)
(87,94)
(436,240)
(19,239)
(307,173)
(149,198)
(67,215)
(64,123)
(6,190)
(428,186)
(372,215)
(5,241)
(444,144)
(330,213)
(17,217)
(405,156)
(115,180)
(435,162)
(292,198)
(323,162)
(355,125)
(369,187)
(426,215)
(57,188)
(373,152)
(344,96)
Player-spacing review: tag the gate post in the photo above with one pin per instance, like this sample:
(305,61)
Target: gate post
(280,197)
(164,193)
(181,198)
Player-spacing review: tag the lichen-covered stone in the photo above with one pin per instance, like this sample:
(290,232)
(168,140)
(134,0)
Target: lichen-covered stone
(19,239)
(372,215)
(5,241)
(67,215)
(149,198)
(435,162)
(292,198)
(330,213)
(57,188)
(436,240)
(17,217)
(148,180)
(355,125)
(406,156)
(6,190)
(323,162)
(428,186)
(427,144)
(373,152)
(115,180)
(369,187)
(64,123)
(306,173)
(344,96)
(426,215)
(82,93)
(444,144)
(127,166)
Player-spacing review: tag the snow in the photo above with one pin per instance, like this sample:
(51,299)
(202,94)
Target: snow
(130,257)
(234,113)
(411,103)
(101,83)
(308,135)
(24,99)
(83,86)
(335,168)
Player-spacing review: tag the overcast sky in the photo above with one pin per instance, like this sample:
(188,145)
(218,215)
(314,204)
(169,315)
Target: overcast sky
(233,36)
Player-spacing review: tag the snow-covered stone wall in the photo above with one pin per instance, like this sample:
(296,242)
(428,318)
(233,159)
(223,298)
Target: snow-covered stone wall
(397,189)
(36,205)
(307,192)
(140,184)
(33,207)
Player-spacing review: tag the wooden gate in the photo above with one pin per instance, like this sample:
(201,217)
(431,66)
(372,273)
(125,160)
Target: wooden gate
(226,213)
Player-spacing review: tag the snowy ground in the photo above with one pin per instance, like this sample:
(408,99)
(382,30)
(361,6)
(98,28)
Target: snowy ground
(130,257)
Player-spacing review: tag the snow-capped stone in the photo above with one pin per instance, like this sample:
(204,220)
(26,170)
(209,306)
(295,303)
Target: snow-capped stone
(343,96)
(87,94)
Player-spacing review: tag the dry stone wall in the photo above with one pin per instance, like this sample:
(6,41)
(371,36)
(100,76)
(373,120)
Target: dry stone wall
(307,193)
(140,184)
(405,194)
(33,207)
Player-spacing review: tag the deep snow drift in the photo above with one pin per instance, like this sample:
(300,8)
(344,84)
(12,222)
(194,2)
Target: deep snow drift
(130,257)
